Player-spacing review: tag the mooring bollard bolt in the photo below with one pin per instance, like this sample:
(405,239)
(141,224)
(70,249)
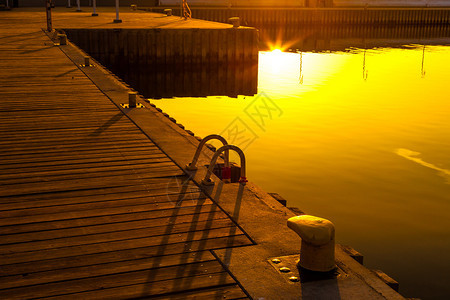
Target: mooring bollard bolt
(168,11)
(62,39)
(235,21)
(317,247)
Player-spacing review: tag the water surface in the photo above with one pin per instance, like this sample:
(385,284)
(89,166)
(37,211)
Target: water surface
(360,137)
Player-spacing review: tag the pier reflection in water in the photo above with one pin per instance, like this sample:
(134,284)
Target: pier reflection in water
(344,38)
(184,80)
(176,62)
(363,141)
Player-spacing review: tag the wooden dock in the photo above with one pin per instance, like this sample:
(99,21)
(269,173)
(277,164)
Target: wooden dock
(90,207)
(94,204)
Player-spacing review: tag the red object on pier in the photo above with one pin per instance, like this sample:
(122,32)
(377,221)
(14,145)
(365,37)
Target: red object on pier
(243,179)
(226,173)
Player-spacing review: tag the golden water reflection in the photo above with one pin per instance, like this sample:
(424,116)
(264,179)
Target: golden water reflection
(363,140)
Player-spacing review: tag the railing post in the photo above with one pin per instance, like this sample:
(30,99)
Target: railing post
(78,6)
(94,6)
(48,8)
(117,20)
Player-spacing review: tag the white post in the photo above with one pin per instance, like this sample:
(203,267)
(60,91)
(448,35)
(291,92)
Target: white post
(78,5)
(94,5)
(117,20)
(68,4)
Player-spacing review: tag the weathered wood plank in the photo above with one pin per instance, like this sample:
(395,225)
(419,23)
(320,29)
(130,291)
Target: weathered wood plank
(113,267)
(53,208)
(93,260)
(229,292)
(161,215)
(7,221)
(158,241)
(212,280)
(117,235)
(186,275)
(111,227)
(175,186)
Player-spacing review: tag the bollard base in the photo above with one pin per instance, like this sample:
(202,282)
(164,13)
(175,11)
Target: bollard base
(117,21)
(94,15)
(287,267)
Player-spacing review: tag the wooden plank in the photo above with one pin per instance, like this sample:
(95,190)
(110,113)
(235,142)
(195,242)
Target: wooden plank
(228,292)
(119,234)
(177,285)
(38,149)
(113,267)
(140,170)
(161,215)
(52,209)
(175,186)
(86,183)
(158,252)
(77,156)
(158,241)
(83,164)
(51,142)
(111,227)
(103,211)
(190,274)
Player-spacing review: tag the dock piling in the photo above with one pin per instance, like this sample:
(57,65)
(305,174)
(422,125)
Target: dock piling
(235,21)
(62,39)
(132,99)
(168,11)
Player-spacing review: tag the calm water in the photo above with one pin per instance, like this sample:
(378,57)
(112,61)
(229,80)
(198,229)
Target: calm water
(359,137)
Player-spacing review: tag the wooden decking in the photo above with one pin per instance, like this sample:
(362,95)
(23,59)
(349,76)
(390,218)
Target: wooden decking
(89,206)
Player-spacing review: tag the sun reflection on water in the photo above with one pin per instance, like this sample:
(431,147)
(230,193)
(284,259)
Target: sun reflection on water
(332,149)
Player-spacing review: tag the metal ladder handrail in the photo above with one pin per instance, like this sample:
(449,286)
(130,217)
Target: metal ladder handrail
(242,180)
(192,165)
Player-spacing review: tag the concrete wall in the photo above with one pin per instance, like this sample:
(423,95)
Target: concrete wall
(327,16)
(177,62)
